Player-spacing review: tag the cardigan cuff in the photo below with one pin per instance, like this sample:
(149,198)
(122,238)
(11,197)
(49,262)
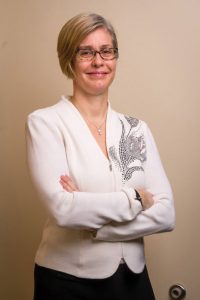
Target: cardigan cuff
(135,204)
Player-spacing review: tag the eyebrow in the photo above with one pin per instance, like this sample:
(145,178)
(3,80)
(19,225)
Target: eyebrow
(90,47)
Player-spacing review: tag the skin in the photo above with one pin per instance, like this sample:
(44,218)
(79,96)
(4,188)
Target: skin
(90,95)
(94,77)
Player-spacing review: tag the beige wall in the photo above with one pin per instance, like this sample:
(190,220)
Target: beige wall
(157,80)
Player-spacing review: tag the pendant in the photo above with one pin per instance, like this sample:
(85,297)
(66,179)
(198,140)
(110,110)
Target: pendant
(99,131)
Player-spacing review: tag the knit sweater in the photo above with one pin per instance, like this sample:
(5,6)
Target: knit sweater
(59,142)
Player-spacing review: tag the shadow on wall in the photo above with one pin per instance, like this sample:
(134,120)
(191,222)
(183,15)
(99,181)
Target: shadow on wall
(20,228)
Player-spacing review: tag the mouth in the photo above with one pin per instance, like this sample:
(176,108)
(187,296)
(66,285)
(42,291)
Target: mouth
(97,74)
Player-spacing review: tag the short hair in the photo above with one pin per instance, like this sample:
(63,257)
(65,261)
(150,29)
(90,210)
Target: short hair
(72,34)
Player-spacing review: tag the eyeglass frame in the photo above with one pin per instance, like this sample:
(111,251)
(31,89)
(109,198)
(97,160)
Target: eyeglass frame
(94,53)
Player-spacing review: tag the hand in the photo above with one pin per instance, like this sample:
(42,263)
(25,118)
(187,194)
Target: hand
(147,198)
(68,184)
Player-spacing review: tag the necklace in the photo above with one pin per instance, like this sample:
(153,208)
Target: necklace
(98,128)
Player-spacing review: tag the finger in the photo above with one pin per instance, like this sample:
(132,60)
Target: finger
(66,181)
(65,178)
(69,189)
(66,186)
(69,182)
(72,185)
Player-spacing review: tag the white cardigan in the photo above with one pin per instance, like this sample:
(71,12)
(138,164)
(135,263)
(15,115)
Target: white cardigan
(59,142)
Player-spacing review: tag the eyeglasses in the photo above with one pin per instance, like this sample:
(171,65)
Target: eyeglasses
(105,53)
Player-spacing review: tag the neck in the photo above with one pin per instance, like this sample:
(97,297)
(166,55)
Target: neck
(93,108)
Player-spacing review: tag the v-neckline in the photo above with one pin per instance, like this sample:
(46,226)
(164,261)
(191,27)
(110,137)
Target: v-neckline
(81,118)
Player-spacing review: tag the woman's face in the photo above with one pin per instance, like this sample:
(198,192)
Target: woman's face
(93,77)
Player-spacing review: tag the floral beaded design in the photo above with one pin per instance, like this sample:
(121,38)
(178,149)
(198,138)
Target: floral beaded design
(132,149)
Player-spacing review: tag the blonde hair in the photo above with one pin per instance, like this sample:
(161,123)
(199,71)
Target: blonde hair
(72,34)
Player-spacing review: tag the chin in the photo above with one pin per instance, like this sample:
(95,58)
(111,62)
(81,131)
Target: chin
(101,89)
(101,86)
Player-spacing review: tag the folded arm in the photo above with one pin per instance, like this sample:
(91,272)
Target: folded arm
(160,217)
(47,160)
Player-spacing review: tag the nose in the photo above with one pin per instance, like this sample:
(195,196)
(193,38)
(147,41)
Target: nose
(97,60)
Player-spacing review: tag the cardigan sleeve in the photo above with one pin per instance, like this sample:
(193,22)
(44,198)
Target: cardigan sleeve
(47,161)
(158,218)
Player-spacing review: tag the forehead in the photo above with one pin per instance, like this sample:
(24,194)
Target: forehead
(98,37)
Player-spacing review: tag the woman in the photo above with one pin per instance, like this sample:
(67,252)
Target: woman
(99,174)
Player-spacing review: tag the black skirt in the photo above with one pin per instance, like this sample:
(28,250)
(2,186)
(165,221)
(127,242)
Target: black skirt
(123,284)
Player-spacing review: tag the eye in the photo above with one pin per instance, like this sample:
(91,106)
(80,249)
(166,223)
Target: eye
(85,52)
(107,51)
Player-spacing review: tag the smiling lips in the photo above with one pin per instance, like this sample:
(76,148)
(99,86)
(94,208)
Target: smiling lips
(97,74)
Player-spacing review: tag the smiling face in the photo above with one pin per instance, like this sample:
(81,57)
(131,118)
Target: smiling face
(93,77)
